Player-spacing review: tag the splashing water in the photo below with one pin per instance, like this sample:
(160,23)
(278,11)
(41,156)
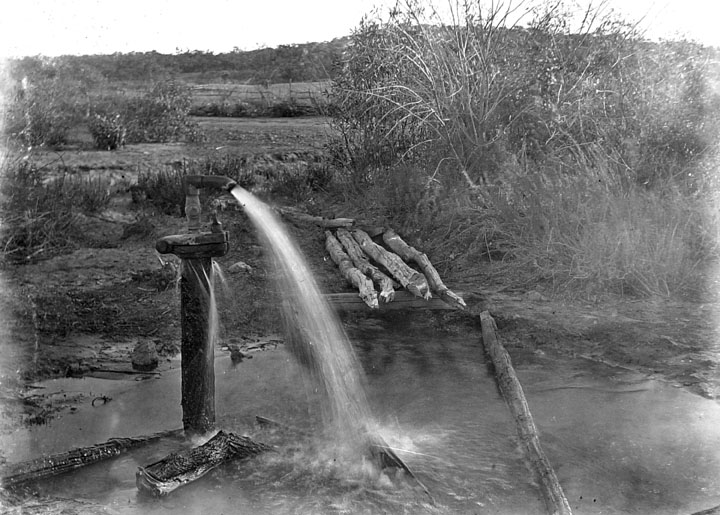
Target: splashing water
(206,284)
(315,334)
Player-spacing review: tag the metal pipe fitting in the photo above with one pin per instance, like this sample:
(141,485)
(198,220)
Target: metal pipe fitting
(193,184)
(209,181)
(192,208)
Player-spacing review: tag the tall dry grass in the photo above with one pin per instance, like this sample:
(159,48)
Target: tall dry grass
(585,234)
(579,157)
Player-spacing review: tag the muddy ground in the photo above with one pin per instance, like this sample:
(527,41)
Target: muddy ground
(83,313)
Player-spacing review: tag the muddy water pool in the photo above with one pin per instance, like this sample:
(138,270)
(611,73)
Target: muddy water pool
(619,442)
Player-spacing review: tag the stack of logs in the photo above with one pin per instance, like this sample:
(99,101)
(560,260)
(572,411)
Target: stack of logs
(354,252)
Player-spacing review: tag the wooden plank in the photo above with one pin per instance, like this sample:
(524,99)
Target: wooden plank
(55,464)
(403,300)
(296,216)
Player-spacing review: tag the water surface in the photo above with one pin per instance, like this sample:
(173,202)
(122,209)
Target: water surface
(620,443)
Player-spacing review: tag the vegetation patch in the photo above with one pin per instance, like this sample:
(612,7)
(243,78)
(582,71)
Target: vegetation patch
(40,210)
(575,156)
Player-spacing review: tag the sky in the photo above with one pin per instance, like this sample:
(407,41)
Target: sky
(57,27)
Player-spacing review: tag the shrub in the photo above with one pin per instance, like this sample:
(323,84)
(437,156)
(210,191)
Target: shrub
(165,189)
(162,115)
(42,112)
(108,131)
(299,181)
(554,148)
(278,109)
(480,93)
(290,108)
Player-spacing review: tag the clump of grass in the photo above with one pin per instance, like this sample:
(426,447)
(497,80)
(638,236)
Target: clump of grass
(582,235)
(40,212)
(577,234)
(108,131)
(164,188)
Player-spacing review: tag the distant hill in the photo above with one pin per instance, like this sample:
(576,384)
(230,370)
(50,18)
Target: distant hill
(287,63)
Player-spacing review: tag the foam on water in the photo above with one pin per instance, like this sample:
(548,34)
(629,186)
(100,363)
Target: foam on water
(315,333)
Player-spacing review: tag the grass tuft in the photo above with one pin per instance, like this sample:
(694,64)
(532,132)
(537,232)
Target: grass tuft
(40,212)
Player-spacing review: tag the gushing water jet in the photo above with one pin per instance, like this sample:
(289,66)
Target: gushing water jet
(317,336)
(319,341)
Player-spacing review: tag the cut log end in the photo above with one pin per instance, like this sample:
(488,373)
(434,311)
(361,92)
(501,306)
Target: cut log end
(387,296)
(430,274)
(369,297)
(453,299)
(418,286)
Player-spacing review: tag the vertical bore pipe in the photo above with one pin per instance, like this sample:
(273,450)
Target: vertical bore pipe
(197,347)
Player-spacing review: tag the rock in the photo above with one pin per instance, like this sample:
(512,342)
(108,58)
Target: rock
(168,274)
(142,228)
(145,356)
(240,266)
(77,369)
(236,355)
(535,296)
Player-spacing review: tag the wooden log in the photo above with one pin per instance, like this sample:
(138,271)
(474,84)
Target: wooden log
(510,387)
(300,217)
(412,280)
(178,469)
(349,272)
(55,464)
(408,253)
(710,511)
(360,260)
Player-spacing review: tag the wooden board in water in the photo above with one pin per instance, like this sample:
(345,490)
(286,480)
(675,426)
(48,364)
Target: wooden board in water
(403,300)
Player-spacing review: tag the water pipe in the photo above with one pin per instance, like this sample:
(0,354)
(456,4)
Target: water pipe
(196,249)
(193,185)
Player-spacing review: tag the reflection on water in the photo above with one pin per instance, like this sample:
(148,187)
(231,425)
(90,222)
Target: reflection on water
(619,443)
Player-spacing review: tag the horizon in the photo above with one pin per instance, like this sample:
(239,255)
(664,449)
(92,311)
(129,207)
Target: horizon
(86,27)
